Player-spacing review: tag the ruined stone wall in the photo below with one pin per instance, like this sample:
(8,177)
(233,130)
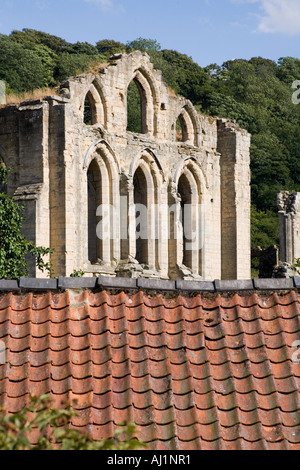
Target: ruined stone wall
(233,145)
(52,150)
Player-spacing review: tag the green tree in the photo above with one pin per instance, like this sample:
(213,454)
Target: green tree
(14,247)
(185,76)
(55,432)
(30,37)
(21,68)
(288,70)
(264,228)
(134,118)
(108,47)
(270,172)
(144,45)
(68,65)
(84,48)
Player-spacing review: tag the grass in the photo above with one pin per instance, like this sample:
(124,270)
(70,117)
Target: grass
(41,93)
(38,94)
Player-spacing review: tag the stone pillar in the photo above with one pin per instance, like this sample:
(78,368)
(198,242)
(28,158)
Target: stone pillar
(33,190)
(233,145)
(289,219)
(57,177)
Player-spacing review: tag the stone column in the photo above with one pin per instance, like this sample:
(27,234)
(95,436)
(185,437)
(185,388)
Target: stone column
(289,219)
(233,145)
(33,190)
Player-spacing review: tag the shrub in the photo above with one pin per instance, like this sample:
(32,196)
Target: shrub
(55,432)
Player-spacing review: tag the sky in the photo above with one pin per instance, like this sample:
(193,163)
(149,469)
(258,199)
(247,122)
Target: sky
(209,31)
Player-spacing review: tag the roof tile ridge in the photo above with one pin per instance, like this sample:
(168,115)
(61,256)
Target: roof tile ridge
(20,302)
(168,369)
(234,408)
(186,363)
(206,321)
(289,364)
(267,378)
(59,300)
(5,300)
(270,299)
(246,373)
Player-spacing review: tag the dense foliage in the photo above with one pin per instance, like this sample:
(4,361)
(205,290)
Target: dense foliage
(257,93)
(14,247)
(55,432)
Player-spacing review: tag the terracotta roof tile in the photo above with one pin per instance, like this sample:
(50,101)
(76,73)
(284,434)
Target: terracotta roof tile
(193,372)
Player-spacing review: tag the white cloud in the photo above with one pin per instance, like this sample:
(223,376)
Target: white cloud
(277,16)
(280,16)
(104,4)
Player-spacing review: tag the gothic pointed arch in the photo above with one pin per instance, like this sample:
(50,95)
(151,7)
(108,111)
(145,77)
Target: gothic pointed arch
(148,101)
(94,199)
(103,206)
(187,127)
(94,106)
(147,189)
(190,186)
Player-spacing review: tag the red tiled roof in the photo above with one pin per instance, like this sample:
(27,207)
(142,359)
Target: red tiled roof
(210,371)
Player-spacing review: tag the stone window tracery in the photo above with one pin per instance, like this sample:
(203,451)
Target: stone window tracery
(103,208)
(189,220)
(94,109)
(146,110)
(94,200)
(184,128)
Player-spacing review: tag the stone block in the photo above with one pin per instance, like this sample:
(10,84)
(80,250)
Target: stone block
(297,282)
(273,284)
(156,284)
(7,285)
(201,286)
(233,285)
(38,284)
(117,282)
(77,282)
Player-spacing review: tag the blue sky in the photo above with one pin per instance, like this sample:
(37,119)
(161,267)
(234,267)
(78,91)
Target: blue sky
(210,31)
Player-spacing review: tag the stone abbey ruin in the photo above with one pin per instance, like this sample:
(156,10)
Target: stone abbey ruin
(64,168)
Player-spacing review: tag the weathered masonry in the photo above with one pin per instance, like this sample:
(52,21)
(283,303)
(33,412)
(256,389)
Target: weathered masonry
(289,218)
(81,180)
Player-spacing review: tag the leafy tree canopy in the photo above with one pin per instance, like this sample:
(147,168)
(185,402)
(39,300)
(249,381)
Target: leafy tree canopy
(144,45)
(108,47)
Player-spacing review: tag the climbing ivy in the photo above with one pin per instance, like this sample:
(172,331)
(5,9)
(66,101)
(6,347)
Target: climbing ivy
(14,247)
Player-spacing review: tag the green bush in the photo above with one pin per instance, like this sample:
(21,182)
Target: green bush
(14,247)
(296,267)
(55,433)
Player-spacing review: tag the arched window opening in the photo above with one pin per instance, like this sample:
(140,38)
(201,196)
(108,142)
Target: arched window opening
(141,216)
(94,200)
(185,192)
(181,129)
(88,111)
(135,120)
